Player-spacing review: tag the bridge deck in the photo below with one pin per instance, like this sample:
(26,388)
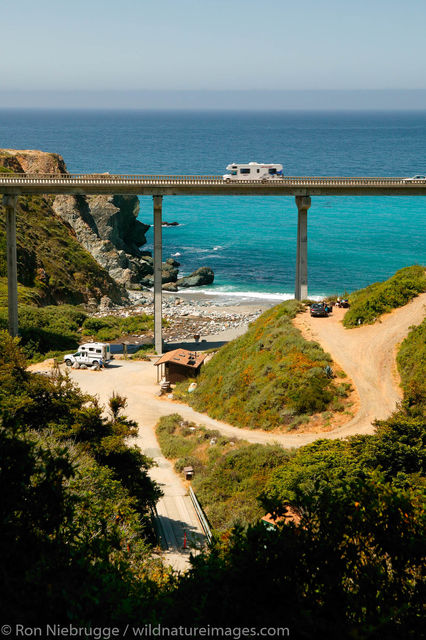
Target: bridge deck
(94,184)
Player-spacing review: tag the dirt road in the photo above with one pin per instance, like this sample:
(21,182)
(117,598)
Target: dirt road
(367,354)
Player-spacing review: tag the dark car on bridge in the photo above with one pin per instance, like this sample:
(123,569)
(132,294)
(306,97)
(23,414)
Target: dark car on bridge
(318,310)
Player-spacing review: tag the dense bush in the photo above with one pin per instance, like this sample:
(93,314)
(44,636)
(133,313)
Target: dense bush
(75,508)
(351,568)
(47,329)
(412,368)
(56,329)
(381,297)
(267,377)
(56,404)
(398,449)
(112,327)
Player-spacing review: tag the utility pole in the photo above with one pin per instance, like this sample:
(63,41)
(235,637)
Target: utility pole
(9,203)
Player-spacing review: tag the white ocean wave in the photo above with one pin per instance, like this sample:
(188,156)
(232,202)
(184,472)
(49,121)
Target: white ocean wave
(252,295)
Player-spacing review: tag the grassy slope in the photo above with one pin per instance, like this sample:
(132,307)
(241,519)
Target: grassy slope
(52,265)
(412,367)
(229,474)
(270,376)
(381,297)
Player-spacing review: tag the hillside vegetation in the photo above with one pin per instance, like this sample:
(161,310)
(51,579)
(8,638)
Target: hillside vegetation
(228,472)
(411,361)
(367,305)
(47,331)
(52,265)
(269,377)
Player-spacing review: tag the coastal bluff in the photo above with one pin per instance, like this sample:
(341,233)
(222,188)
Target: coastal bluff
(106,226)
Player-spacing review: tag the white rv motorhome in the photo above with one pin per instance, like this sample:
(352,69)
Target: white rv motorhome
(91,353)
(253,171)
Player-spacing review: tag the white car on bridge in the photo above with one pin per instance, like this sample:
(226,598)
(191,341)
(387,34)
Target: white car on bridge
(254,171)
(418,178)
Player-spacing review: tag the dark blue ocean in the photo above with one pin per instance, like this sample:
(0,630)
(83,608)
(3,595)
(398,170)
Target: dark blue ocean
(250,243)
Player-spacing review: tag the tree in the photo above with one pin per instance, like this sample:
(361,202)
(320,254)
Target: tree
(350,569)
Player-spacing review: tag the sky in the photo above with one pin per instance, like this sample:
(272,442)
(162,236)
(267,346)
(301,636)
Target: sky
(207,46)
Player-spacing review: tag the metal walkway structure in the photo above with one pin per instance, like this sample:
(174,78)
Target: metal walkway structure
(14,185)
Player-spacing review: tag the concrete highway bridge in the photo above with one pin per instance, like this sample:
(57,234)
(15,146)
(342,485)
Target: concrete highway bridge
(14,185)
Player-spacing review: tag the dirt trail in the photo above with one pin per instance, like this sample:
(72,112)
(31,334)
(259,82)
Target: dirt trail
(176,514)
(367,354)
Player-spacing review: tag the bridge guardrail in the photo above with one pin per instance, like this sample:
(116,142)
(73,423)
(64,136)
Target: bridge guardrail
(311,181)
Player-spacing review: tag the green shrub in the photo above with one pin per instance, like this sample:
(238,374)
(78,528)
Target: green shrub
(368,304)
(143,351)
(112,327)
(47,329)
(262,376)
(411,361)
(172,443)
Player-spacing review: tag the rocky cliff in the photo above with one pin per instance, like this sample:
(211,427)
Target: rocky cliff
(106,226)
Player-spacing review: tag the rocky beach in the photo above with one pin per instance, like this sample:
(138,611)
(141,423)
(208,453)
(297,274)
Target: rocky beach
(191,314)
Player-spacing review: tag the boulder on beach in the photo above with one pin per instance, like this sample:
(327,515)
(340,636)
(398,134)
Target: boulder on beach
(200,277)
(169,272)
(170,286)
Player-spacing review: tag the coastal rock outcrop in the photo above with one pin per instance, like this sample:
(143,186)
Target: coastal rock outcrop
(32,161)
(200,277)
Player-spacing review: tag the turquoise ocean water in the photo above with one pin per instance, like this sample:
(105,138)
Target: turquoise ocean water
(250,242)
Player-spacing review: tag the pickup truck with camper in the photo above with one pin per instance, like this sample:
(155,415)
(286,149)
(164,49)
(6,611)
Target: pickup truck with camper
(97,354)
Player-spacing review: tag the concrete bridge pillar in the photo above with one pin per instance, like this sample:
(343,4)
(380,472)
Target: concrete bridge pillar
(303,203)
(158,259)
(9,203)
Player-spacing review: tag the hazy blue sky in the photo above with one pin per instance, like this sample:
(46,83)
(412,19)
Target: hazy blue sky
(212,44)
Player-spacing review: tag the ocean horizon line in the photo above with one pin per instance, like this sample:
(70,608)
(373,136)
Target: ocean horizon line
(217,99)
